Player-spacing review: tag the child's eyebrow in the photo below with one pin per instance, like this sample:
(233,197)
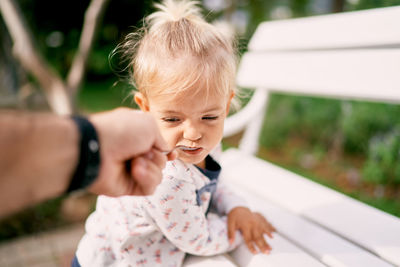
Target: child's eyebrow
(213,109)
(169,111)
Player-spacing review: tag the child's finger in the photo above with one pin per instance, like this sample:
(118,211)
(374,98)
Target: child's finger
(273,229)
(267,227)
(231,231)
(249,241)
(260,242)
(268,231)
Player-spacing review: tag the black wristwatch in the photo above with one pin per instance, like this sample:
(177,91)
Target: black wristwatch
(88,166)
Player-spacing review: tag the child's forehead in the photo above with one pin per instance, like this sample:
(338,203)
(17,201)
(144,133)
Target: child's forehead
(200,101)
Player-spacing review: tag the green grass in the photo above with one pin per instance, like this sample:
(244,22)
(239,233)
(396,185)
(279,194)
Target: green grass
(38,218)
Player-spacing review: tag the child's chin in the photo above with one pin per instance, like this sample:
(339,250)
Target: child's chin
(193,159)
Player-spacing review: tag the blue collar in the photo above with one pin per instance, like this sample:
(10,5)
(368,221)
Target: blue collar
(212,170)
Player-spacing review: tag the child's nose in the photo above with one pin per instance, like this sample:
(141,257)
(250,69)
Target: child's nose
(191,132)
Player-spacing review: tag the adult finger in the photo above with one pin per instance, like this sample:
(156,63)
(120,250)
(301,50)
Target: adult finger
(159,142)
(172,155)
(157,157)
(146,174)
(161,145)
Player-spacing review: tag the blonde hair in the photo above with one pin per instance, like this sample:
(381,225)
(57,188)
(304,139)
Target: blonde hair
(178,50)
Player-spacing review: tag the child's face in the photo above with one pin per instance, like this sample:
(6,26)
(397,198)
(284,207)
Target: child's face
(193,121)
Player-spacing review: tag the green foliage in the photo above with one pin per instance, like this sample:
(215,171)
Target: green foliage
(362,120)
(383,163)
(321,120)
(314,119)
(105,95)
(299,7)
(366,4)
(98,62)
(279,120)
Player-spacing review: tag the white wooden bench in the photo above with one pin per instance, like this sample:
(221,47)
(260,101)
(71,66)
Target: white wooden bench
(354,55)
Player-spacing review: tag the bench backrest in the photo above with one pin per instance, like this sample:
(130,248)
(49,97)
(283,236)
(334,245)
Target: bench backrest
(351,55)
(354,55)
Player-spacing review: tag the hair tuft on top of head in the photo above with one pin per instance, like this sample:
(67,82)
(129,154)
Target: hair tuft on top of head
(180,26)
(173,10)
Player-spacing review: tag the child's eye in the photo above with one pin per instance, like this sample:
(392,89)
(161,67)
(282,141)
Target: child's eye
(172,119)
(209,117)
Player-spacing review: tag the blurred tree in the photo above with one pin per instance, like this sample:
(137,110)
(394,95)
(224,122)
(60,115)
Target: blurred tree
(9,80)
(338,5)
(60,94)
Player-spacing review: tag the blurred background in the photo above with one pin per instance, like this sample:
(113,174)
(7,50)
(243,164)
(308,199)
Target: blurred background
(352,147)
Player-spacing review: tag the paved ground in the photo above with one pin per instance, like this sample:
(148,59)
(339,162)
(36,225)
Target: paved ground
(50,249)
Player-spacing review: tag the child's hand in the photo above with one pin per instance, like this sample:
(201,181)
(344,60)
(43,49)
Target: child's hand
(252,225)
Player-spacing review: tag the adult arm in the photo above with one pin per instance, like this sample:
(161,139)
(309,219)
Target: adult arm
(39,154)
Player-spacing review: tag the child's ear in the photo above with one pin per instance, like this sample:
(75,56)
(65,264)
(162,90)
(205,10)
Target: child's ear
(142,102)
(228,105)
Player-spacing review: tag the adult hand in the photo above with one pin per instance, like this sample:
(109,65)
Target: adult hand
(130,150)
(253,226)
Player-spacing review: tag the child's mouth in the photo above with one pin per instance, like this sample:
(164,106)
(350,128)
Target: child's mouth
(190,150)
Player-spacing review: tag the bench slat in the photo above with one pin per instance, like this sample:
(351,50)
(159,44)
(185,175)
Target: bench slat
(240,120)
(284,254)
(349,29)
(209,261)
(329,248)
(366,226)
(363,74)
